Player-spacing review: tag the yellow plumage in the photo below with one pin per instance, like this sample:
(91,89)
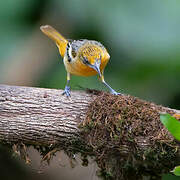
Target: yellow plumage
(81,57)
(92,52)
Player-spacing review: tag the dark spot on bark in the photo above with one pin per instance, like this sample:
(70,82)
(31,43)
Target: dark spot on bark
(45,95)
(2,99)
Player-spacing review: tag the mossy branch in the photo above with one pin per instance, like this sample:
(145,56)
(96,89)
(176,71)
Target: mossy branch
(123,133)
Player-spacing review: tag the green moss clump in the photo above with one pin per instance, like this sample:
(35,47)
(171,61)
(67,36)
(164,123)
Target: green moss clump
(127,138)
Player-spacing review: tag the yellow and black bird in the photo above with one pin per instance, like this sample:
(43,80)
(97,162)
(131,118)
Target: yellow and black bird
(81,57)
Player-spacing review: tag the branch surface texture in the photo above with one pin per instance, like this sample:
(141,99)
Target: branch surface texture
(123,133)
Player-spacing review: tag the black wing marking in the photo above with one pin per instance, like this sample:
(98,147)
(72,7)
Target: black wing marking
(67,50)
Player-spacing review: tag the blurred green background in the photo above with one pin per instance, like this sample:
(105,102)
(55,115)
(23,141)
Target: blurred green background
(142,37)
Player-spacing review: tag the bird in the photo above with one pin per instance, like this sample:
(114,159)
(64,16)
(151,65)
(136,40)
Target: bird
(81,57)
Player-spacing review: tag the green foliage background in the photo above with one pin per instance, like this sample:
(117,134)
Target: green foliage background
(143,38)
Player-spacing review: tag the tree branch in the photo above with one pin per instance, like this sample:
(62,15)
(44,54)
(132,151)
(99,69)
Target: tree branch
(38,116)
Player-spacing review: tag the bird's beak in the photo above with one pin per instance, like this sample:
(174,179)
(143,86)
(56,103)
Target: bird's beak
(96,67)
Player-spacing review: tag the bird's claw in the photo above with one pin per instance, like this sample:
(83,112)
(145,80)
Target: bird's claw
(114,92)
(67,91)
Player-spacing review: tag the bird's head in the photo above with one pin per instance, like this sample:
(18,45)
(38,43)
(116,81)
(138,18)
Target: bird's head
(95,64)
(95,57)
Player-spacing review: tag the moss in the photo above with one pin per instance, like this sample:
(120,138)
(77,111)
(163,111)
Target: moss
(127,137)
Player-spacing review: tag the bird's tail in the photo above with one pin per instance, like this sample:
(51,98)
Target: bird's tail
(52,33)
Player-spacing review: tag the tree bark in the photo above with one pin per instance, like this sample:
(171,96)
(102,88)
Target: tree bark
(39,116)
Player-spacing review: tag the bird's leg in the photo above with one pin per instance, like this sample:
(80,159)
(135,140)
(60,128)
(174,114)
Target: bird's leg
(107,85)
(96,66)
(67,87)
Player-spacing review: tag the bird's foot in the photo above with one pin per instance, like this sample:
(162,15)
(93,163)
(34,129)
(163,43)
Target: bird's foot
(114,92)
(67,91)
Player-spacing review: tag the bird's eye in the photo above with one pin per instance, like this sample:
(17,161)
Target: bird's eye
(73,54)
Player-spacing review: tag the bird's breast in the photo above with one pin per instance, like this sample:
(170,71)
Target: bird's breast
(76,67)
